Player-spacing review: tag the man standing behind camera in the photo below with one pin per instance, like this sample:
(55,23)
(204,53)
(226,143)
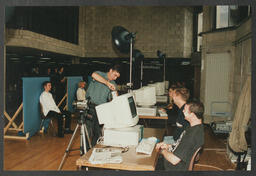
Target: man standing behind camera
(99,91)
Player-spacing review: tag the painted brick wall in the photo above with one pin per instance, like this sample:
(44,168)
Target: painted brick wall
(168,29)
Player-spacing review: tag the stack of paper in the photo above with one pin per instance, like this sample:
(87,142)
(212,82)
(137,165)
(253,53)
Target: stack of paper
(105,155)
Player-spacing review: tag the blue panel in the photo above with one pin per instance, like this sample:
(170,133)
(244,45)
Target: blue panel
(72,87)
(32,89)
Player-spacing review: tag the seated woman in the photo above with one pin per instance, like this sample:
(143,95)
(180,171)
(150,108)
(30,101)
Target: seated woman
(171,109)
(171,104)
(80,93)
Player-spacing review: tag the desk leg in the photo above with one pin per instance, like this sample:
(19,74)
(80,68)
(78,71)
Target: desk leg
(145,123)
(166,126)
(80,168)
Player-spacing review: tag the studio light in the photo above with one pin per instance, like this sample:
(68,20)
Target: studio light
(137,54)
(160,54)
(123,40)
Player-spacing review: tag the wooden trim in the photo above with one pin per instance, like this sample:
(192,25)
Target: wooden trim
(21,125)
(17,137)
(61,101)
(13,118)
(9,118)
(15,129)
(66,107)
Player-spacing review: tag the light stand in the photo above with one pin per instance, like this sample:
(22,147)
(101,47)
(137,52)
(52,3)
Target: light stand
(83,132)
(141,72)
(131,49)
(138,60)
(164,69)
(162,56)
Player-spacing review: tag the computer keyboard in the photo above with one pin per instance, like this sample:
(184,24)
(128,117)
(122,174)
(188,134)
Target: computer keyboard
(162,113)
(146,145)
(146,111)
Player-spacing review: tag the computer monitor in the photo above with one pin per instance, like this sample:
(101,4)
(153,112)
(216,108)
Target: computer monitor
(160,87)
(145,96)
(121,112)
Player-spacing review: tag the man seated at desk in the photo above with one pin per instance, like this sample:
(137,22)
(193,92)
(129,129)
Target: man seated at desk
(177,156)
(180,97)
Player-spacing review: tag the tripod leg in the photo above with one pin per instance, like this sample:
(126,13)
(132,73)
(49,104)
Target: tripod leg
(83,135)
(67,150)
(82,151)
(87,136)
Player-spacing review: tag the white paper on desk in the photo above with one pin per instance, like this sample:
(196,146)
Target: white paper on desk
(105,155)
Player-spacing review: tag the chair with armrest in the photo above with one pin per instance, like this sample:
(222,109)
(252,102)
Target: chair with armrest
(194,158)
(46,120)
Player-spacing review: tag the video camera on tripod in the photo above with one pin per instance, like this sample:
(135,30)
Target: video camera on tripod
(80,105)
(84,112)
(83,107)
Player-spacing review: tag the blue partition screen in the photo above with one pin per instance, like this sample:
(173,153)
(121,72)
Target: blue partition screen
(32,89)
(72,88)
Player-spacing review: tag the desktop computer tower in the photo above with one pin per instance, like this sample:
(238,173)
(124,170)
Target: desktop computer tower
(122,137)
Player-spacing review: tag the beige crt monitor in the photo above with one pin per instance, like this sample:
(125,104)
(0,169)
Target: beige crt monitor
(121,112)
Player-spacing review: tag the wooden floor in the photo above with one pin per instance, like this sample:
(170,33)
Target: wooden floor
(45,152)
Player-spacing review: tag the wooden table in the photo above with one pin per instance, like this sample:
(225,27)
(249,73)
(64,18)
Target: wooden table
(131,160)
(156,118)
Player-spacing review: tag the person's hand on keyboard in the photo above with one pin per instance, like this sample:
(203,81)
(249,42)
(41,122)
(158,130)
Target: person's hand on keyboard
(162,109)
(162,146)
(169,106)
(162,113)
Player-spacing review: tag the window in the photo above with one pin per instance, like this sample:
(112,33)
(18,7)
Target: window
(228,16)
(58,22)
(199,30)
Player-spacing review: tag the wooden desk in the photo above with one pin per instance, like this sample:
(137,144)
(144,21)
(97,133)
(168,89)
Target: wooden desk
(155,117)
(131,160)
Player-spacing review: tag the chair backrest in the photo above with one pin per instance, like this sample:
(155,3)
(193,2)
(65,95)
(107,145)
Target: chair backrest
(41,111)
(193,159)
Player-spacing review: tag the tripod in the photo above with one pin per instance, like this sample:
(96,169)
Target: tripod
(83,132)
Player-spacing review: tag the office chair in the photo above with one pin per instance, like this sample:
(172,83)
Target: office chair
(44,119)
(194,158)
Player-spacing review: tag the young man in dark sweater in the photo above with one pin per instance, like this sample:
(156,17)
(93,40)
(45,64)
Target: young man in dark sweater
(177,156)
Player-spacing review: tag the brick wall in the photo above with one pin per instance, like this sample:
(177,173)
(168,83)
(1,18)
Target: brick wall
(168,29)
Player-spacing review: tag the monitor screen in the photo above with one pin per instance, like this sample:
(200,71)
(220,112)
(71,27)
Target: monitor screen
(145,96)
(132,107)
(119,113)
(159,87)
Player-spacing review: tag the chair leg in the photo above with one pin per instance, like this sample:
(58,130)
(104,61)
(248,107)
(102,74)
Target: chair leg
(53,128)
